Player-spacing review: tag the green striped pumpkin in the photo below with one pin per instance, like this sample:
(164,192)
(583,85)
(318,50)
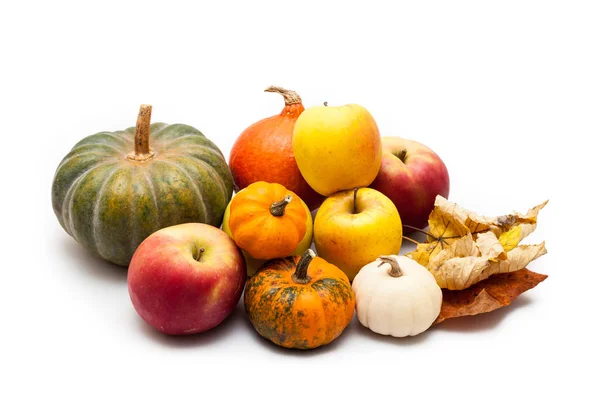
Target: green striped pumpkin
(110,198)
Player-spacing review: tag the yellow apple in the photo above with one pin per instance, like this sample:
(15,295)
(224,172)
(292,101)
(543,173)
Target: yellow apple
(337,148)
(254,264)
(354,227)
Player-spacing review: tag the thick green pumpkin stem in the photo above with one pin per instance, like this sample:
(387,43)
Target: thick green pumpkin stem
(395,271)
(278,208)
(301,273)
(141,150)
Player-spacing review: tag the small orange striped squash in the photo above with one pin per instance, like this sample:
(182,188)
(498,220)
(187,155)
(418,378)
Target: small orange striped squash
(299,302)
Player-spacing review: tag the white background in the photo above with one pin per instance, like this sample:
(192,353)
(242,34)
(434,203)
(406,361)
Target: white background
(507,93)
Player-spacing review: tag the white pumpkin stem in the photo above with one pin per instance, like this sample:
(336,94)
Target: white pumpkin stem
(395,271)
(301,273)
(278,208)
(141,149)
(289,96)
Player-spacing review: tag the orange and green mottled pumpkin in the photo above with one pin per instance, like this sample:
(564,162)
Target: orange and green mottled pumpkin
(299,302)
(114,189)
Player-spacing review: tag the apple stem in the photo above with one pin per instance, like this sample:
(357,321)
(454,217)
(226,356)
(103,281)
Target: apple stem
(395,271)
(201,250)
(141,150)
(354,203)
(301,273)
(289,96)
(278,208)
(402,155)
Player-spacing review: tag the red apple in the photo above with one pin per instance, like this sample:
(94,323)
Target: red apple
(411,175)
(186,278)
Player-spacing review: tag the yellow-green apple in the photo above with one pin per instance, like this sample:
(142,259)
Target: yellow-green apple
(337,148)
(411,175)
(186,278)
(354,227)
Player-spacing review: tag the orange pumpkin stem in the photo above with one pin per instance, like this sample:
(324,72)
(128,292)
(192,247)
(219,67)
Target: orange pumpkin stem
(289,96)
(395,271)
(301,273)
(141,149)
(278,208)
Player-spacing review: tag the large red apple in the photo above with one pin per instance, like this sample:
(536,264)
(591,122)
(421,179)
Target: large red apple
(186,278)
(411,175)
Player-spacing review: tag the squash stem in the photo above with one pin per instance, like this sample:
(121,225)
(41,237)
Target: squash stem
(141,149)
(289,96)
(301,273)
(395,271)
(278,208)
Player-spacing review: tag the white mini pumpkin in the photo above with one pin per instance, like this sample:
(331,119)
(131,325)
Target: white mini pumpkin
(400,300)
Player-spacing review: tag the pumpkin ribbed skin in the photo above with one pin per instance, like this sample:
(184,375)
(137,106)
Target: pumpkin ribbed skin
(259,232)
(299,315)
(254,264)
(110,203)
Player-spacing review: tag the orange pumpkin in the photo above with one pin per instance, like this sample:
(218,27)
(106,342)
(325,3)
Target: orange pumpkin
(299,302)
(267,220)
(268,143)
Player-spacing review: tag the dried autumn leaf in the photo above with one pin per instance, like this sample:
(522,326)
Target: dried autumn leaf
(474,223)
(521,226)
(488,295)
(464,248)
(457,264)
(490,247)
(518,258)
(444,228)
(511,238)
